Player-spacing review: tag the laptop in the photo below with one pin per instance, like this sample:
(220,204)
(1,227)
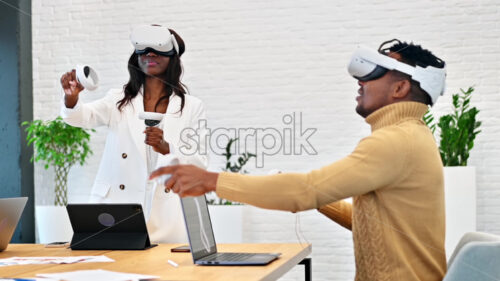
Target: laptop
(108,227)
(202,241)
(10,212)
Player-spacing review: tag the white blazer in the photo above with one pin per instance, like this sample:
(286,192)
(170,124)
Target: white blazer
(122,175)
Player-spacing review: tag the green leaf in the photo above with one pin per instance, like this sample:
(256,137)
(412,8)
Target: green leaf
(58,144)
(234,167)
(458,130)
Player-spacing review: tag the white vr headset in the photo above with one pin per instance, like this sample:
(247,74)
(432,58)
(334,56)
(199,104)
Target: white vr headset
(367,64)
(153,38)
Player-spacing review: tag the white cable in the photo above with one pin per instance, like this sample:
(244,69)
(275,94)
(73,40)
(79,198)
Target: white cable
(298,230)
(149,157)
(156,119)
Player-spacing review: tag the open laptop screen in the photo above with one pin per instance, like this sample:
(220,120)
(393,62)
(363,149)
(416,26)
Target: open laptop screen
(10,212)
(199,227)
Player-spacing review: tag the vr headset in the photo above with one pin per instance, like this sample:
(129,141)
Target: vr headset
(154,38)
(367,64)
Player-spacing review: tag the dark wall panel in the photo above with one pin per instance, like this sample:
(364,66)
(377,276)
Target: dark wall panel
(16,106)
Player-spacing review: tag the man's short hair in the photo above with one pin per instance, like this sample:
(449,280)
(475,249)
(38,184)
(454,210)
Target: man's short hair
(413,55)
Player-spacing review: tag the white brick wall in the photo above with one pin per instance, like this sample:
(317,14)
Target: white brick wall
(254,61)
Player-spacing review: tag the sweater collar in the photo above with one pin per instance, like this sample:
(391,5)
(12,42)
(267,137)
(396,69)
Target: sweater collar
(395,113)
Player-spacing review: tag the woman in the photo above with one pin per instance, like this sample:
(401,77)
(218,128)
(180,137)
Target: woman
(154,86)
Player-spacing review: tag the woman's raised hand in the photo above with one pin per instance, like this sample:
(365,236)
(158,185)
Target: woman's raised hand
(71,88)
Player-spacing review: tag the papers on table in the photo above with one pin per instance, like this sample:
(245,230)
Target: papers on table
(52,260)
(80,275)
(95,275)
(17,279)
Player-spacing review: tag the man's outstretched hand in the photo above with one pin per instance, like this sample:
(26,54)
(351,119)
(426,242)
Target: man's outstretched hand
(187,180)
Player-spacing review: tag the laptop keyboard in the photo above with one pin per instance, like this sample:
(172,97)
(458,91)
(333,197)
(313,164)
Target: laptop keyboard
(228,257)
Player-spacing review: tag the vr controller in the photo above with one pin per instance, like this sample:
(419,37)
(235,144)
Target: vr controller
(151,119)
(87,76)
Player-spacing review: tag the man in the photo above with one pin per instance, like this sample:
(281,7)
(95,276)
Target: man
(394,175)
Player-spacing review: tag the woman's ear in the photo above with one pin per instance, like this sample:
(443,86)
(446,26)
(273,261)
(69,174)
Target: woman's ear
(401,89)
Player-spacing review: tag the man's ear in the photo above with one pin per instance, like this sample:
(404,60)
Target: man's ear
(401,89)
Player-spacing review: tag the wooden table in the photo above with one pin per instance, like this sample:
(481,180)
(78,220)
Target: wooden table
(154,262)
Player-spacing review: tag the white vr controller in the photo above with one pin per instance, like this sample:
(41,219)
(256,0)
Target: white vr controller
(367,64)
(151,119)
(87,76)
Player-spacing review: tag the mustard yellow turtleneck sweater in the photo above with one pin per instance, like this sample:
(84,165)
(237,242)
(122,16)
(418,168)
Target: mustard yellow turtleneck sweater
(395,177)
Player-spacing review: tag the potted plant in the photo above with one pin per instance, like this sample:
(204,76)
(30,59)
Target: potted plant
(227,224)
(60,146)
(457,132)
